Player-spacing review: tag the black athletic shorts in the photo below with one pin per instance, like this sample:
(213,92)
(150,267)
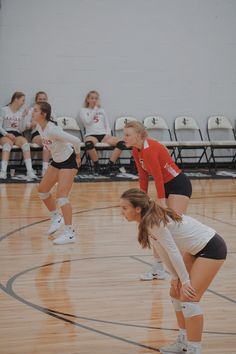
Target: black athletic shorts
(180,185)
(215,249)
(34,135)
(16,134)
(99,137)
(1,136)
(70,163)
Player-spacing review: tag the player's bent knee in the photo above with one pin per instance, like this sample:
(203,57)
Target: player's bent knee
(191,309)
(62,201)
(25,147)
(6,147)
(89,145)
(44,196)
(121,145)
(176,304)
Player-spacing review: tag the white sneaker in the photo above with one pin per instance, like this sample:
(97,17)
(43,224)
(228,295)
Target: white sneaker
(193,350)
(56,223)
(157,272)
(31,175)
(3,175)
(67,237)
(178,347)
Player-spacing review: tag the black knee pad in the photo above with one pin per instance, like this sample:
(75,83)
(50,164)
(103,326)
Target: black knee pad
(121,145)
(89,145)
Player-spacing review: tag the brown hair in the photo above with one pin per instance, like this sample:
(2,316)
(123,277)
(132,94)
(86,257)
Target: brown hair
(39,93)
(87,97)
(151,213)
(16,95)
(138,127)
(46,109)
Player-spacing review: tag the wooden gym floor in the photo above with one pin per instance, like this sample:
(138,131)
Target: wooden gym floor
(87,297)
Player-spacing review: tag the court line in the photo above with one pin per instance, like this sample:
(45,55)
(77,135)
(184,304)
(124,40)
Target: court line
(10,291)
(209,290)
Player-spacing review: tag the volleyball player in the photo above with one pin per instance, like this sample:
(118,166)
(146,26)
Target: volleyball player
(41,96)
(172,185)
(63,168)
(12,124)
(204,253)
(98,129)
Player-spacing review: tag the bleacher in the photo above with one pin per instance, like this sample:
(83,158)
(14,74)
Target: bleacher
(186,143)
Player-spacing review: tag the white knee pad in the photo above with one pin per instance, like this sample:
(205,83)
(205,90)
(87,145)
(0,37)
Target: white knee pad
(177,304)
(62,201)
(191,309)
(44,196)
(6,147)
(25,147)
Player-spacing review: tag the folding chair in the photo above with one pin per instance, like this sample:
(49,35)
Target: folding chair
(222,136)
(119,125)
(189,136)
(158,129)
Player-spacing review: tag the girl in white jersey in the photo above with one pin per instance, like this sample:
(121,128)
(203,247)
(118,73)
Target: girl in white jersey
(12,124)
(63,168)
(204,253)
(40,96)
(98,129)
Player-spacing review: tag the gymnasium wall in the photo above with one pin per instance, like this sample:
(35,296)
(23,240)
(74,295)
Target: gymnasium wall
(167,57)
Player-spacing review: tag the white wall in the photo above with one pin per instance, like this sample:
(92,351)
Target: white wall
(168,57)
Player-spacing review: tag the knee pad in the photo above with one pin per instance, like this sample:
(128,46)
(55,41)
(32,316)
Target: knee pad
(44,196)
(6,147)
(89,145)
(62,201)
(25,147)
(177,304)
(121,145)
(191,309)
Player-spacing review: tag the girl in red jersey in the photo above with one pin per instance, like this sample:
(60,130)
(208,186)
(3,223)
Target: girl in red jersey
(172,185)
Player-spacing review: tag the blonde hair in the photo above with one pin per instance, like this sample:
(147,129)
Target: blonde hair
(151,213)
(16,95)
(86,104)
(138,127)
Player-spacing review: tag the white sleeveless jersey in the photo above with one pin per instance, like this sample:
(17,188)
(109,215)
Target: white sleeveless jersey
(95,121)
(58,142)
(11,121)
(189,236)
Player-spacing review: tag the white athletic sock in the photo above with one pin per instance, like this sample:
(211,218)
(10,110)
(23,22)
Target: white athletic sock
(45,165)
(28,164)
(4,166)
(69,228)
(157,265)
(182,331)
(54,213)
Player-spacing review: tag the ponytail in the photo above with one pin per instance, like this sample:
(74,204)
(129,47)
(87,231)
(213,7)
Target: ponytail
(151,214)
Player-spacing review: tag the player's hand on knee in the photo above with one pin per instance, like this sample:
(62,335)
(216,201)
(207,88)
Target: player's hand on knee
(188,292)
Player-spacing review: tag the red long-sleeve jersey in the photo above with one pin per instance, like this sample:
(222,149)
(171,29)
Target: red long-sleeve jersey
(154,159)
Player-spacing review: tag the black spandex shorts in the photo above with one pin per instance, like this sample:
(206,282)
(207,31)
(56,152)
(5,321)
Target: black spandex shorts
(215,249)
(34,135)
(16,134)
(70,163)
(99,137)
(180,185)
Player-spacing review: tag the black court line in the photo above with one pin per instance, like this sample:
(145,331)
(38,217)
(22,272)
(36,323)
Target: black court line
(9,289)
(209,290)
(215,219)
